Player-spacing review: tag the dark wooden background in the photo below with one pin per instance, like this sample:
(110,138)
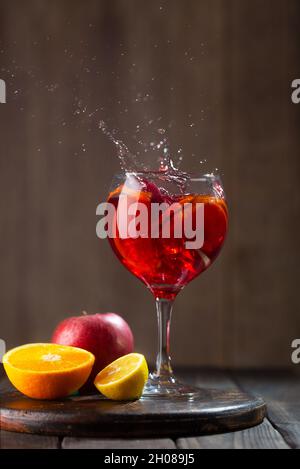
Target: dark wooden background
(225,65)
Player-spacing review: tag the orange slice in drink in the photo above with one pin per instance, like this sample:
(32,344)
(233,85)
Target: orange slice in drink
(48,371)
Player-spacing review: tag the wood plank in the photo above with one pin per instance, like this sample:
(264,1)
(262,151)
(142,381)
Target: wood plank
(11,440)
(281,391)
(92,443)
(284,412)
(263,436)
(207,378)
(272,385)
(291,433)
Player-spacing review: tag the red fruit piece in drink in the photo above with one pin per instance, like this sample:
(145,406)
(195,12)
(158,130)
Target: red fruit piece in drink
(151,188)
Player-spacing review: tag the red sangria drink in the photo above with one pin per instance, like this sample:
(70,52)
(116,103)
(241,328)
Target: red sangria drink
(167,229)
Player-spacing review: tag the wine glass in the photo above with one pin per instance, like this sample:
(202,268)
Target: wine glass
(161,255)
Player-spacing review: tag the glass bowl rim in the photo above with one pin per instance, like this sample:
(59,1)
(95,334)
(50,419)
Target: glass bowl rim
(193,176)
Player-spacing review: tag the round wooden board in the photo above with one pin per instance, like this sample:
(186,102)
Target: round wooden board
(214,411)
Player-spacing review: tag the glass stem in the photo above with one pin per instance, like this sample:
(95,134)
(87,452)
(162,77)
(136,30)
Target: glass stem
(163,362)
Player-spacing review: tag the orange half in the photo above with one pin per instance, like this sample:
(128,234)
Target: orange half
(48,371)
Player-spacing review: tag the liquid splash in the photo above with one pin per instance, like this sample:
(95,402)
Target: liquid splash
(163,162)
(158,146)
(127,159)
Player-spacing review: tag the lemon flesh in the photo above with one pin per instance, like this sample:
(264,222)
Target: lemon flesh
(124,379)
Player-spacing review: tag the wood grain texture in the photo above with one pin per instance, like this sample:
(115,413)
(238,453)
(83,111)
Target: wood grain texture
(61,56)
(10,440)
(291,433)
(93,416)
(209,378)
(273,385)
(263,436)
(282,432)
(90,443)
(284,412)
(281,392)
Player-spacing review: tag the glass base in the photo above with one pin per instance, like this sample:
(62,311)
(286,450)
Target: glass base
(160,387)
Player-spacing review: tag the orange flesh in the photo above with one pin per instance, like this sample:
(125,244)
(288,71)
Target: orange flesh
(48,358)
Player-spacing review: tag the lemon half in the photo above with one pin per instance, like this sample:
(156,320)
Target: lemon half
(124,379)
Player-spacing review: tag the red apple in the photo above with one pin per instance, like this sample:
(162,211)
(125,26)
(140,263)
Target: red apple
(107,336)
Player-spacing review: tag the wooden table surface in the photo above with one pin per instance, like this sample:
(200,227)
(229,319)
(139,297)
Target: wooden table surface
(280,430)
